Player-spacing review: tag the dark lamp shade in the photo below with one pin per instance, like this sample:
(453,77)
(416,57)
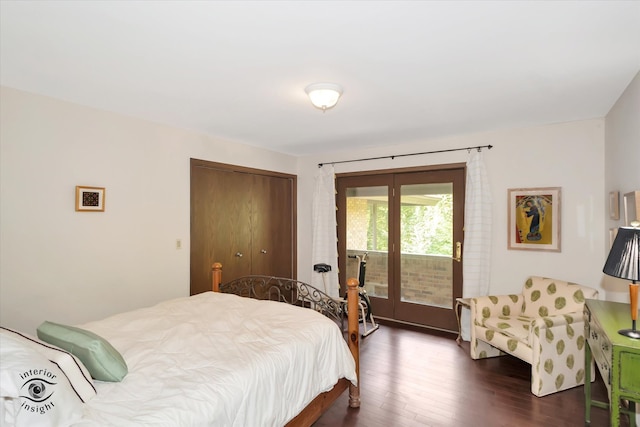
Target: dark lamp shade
(624,258)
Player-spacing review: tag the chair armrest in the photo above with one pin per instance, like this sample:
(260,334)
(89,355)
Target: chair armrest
(558,320)
(494,305)
(552,327)
(557,361)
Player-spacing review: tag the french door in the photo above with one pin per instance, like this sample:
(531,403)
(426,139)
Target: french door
(409,224)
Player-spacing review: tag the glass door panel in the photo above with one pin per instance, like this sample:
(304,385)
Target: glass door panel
(367,232)
(426,244)
(428,279)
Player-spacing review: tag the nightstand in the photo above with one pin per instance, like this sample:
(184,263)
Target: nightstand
(617,358)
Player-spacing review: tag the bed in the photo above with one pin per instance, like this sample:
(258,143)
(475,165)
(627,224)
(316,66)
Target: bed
(212,359)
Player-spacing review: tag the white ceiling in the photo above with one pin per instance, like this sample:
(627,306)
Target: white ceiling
(411,71)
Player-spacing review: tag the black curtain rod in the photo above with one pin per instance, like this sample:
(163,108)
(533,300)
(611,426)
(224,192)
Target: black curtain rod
(479,147)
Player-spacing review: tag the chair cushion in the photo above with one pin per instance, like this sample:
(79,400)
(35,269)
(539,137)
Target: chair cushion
(544,297)
(517,327)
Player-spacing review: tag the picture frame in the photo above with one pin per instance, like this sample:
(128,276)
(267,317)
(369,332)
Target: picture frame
(90,199)
(534,219)
(614,205)
(613,232)
(631,207)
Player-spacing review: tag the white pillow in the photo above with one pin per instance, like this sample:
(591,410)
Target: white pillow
(77,374)
(35,390)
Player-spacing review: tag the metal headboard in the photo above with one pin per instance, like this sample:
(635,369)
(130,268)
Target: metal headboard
(285,290)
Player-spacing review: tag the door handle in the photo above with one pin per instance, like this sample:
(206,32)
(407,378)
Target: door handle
(263,251)
(458,256)
(239,254)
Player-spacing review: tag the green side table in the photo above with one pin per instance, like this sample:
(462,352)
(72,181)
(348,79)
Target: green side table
(616,356)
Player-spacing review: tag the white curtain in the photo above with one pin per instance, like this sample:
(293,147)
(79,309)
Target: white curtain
(324,228)
(477,235)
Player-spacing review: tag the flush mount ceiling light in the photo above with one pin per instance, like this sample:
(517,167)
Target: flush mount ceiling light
(324,95)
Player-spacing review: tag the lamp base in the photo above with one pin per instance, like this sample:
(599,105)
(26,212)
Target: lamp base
(631,333)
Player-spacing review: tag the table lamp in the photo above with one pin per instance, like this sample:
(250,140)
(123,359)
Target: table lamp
(624,262)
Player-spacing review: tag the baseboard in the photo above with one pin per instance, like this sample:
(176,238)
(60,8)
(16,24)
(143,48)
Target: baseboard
(417,327)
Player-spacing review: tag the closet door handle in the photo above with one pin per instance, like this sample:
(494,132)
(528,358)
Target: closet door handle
(239,254)
(263,251)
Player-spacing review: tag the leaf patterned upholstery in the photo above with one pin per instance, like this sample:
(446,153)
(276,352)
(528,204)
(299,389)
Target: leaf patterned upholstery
(543,326)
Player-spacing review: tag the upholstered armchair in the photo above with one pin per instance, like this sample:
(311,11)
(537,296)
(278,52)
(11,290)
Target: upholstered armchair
(544,326)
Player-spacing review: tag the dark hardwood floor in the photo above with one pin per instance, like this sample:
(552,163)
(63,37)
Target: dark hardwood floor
(421,378)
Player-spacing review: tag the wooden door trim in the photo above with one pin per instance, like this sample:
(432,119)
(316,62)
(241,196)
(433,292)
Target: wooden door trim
(424,168)
(237,168)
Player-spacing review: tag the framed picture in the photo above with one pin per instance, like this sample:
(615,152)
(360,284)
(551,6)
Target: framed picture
(614,205)
(534,219)
(89,199)
(613,232)
(631,207)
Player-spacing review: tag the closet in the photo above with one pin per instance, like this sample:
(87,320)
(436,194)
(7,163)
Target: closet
(243,218)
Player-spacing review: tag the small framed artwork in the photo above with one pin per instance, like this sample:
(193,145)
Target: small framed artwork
(613,232)
(614,205)
(534,219)
(89,199)
(631,207)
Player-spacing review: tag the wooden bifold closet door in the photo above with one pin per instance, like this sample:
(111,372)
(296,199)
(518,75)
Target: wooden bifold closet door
(243,218)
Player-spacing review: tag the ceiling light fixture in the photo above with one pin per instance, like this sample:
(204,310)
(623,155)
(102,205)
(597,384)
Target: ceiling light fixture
(324,95)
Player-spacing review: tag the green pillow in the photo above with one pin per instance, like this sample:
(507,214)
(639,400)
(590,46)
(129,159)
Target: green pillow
(103,362)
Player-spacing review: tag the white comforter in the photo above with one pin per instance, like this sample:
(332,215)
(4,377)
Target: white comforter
(218,360)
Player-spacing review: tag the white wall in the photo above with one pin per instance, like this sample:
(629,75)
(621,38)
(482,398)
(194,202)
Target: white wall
(622,167)
(567,155)
(60,265)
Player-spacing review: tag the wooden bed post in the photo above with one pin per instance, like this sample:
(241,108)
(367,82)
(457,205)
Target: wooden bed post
(216,276)
(354,336)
